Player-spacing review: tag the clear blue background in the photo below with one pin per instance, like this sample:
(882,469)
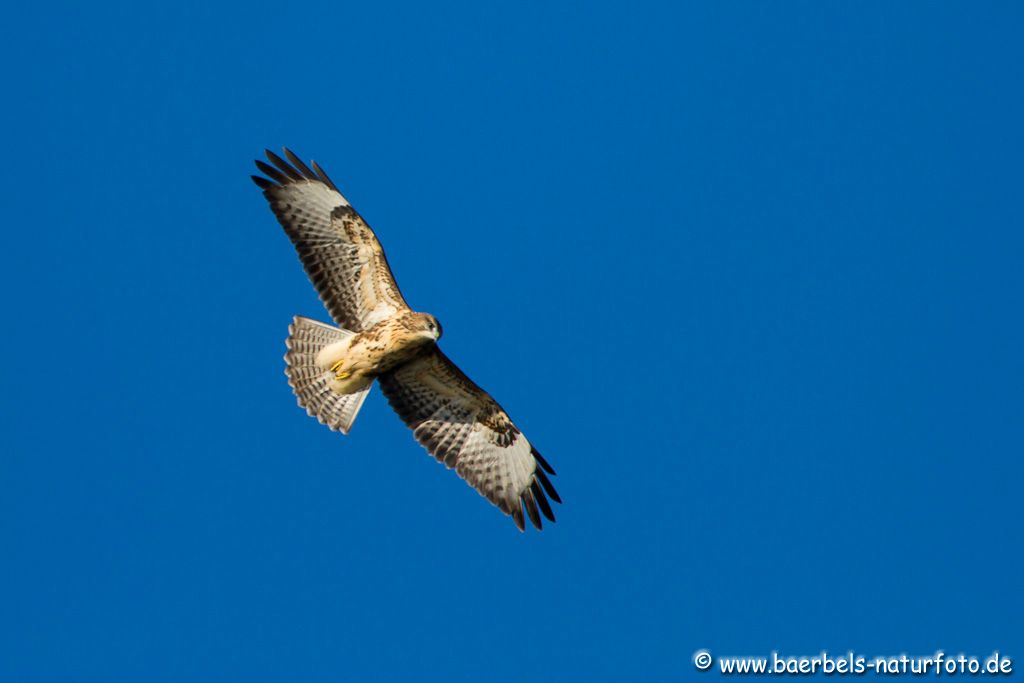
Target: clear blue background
(749,275)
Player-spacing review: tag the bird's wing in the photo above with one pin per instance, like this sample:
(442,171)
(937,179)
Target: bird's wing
(463,427)
(339,251)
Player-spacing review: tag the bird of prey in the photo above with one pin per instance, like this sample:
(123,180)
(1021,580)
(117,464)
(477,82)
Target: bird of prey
(379,337)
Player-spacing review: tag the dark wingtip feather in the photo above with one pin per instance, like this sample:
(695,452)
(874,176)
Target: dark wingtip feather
(531,509)
(546,483)
(517,516)
(323,177)
(262,182)
(282,172)
(269,170)
(299,164)
(545,506)
(541,460)
(285,167)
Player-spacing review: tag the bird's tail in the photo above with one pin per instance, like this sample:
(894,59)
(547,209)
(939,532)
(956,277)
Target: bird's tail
(311,383)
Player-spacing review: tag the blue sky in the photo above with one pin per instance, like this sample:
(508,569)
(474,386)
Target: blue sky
(748,274)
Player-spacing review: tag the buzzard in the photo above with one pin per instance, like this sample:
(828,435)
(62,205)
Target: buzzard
(378,337)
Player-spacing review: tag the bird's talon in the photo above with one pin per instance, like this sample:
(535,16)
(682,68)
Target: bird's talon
(343,375)
(334,368)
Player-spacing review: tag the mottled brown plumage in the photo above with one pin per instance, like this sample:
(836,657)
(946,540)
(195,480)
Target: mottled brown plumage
(380,338)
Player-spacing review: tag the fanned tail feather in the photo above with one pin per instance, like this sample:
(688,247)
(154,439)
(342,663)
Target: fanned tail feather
(310,383)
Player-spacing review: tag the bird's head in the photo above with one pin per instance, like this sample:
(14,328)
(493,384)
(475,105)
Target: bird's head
(429,326)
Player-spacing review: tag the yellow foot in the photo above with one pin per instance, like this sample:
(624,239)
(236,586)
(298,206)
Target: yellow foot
(343,375)
(334,368)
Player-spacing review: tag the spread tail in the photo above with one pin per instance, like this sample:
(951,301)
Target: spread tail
(311,383)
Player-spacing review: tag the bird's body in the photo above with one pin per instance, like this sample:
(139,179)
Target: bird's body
(361,358)
(380,338)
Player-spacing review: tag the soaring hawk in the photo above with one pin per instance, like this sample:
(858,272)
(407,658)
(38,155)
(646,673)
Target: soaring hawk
(378,337)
